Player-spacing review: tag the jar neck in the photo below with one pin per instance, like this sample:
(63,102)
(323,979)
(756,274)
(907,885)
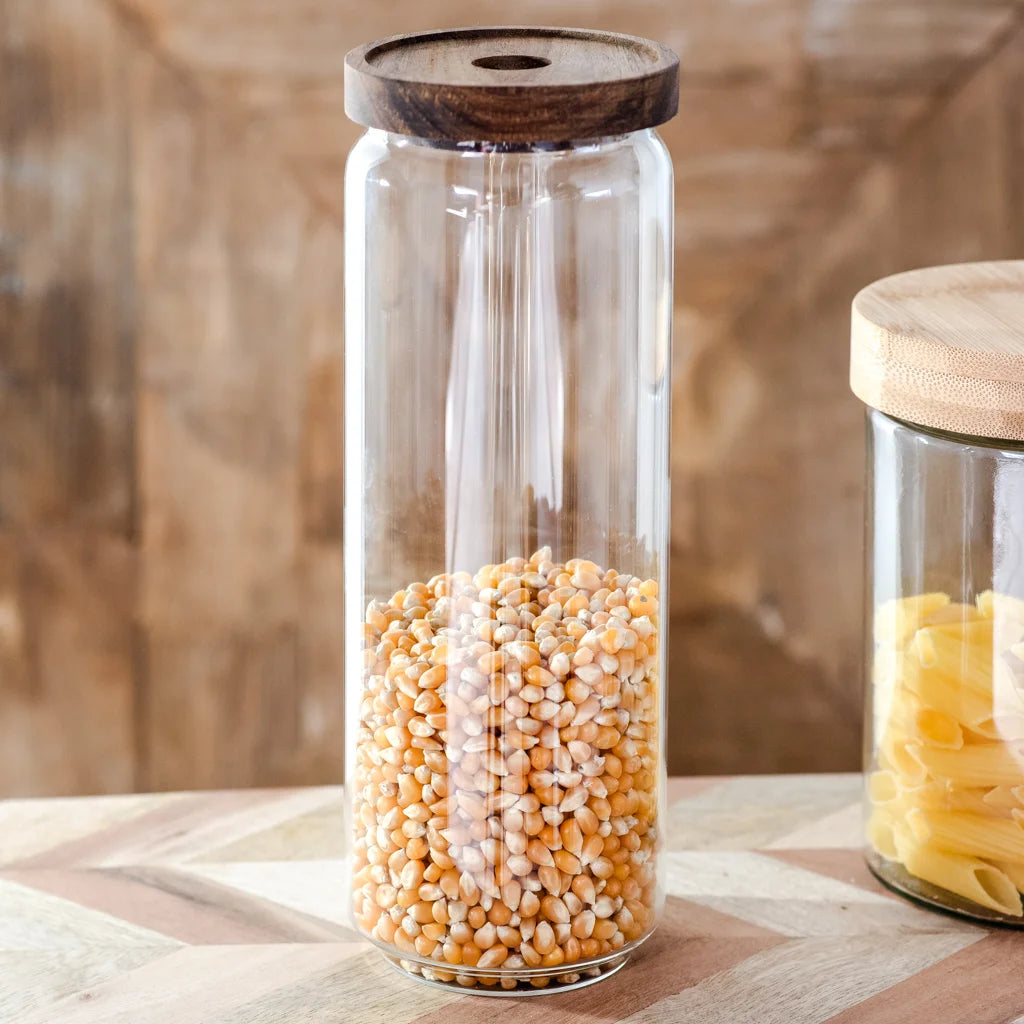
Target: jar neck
(969,440)
(577,145)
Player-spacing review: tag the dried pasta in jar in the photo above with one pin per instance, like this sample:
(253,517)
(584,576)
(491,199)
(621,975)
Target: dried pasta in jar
(946,800)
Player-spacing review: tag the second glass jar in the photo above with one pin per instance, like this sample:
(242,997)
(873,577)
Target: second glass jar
(936,355)
(946,649)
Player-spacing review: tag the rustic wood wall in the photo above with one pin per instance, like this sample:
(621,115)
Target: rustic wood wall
(171,346)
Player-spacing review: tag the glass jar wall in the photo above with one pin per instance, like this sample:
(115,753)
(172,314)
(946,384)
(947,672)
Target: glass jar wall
(506,536)
(945,751)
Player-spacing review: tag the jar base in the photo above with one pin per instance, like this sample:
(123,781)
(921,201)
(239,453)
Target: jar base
(896,878)
(497,983)
(524,981)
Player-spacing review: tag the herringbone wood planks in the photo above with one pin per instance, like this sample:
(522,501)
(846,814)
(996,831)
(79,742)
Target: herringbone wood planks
(228,908)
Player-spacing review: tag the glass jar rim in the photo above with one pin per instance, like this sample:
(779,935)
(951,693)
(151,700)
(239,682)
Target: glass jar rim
(966,440)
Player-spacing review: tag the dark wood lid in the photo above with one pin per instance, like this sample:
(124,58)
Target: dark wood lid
(498,84)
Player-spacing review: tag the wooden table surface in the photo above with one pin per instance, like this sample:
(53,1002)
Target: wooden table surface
(229,908)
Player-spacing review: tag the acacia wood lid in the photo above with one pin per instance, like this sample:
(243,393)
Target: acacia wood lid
(944,347)
(497,84)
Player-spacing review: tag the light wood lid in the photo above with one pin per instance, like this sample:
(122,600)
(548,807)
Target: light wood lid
(513,84)
(944,347)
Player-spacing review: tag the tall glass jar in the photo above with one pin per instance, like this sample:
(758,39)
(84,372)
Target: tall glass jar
(508,373)
(939,356)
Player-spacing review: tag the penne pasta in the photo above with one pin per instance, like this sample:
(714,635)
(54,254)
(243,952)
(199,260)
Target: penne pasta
(969,877)
(912,719)
(1014,870)
(973,835)
(937,729)
(898,620)
(970,629)
(960,650)
(883,788)
(981,765)
(942,796)
(1007,728)
(1000,606)
(882,835)
(1003,798)
(948,799)
(896,755)
(953,613)
(939,690)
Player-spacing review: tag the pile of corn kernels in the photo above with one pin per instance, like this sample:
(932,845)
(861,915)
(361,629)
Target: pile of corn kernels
(505,793)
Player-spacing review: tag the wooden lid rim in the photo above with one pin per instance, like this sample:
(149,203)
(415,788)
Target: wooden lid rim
(430,85)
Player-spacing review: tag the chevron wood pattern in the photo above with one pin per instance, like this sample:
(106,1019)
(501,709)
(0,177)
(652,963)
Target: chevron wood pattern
(171,341)
(228,908)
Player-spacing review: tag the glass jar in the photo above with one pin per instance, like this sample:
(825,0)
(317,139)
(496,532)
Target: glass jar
(508,377)
(939,356)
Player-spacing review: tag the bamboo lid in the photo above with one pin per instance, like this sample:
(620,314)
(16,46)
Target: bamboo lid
(944,347)
(511,84)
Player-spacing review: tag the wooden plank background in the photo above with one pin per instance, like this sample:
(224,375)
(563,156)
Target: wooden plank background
(171,349)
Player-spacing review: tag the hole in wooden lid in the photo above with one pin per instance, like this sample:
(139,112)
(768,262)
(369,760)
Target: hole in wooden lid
(511,62)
